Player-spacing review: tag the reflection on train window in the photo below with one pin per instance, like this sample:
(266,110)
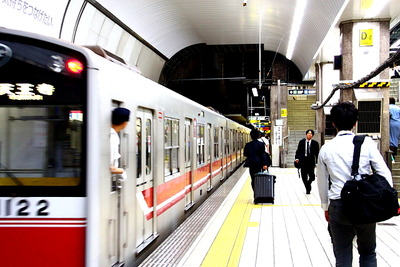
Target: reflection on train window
(216,143)
(200,144)
(41,146)
(234,141)
(209,142)
(226,140)
(139,146)
(188,149)
(171,146)
(148,146)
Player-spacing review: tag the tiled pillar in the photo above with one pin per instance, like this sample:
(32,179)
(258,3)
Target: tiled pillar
(365,46)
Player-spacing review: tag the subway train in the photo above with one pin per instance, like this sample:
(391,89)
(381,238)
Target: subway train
(59,203)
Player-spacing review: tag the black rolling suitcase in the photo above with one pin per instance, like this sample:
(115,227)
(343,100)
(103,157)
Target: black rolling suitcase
(264,188)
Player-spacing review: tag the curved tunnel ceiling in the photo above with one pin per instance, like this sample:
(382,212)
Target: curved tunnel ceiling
(170,26)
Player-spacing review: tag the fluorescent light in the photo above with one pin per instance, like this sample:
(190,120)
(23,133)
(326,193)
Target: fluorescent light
(375,8)
(255,92)
(339,14)
(296,23)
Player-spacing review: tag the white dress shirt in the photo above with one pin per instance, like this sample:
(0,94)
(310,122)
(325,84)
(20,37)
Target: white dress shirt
(308,145)
(114,148)
(335,160)
(266,143)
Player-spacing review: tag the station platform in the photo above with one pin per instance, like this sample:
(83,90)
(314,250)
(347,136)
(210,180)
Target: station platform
(229,230)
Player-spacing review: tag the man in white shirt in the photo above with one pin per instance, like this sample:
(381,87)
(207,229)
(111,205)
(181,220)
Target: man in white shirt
(119,120)
(265,141)
(333,170)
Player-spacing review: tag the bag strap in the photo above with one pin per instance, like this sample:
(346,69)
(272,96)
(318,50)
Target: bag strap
(358,140)
(263,142)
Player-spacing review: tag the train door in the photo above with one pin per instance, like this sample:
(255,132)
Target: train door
(118,216)
(189,171)
(145,210)
(208,157)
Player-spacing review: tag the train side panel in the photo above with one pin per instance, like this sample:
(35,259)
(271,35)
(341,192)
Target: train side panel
(175,153)
(173,191)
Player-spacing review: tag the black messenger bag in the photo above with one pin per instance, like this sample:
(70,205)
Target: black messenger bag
(370,199)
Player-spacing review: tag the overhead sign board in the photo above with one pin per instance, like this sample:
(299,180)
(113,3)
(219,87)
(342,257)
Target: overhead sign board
(258,118)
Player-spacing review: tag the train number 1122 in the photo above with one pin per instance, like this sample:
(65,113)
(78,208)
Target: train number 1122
(24,207)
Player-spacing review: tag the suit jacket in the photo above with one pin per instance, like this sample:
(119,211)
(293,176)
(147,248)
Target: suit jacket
(301,153)
(256,155)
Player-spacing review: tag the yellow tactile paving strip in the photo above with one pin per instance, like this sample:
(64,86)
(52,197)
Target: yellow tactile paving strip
(227,246)
(226,249)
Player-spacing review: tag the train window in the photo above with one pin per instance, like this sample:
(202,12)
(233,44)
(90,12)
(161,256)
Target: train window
(221,141)
(200,144)
(41,146)
(234,140)
(209,141)
(216,143)
(148,146)
(240,141)
(187,142)
(227,148)
(171,146)
(139,147)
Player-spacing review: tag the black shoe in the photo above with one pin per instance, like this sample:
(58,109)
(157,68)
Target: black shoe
(308,192)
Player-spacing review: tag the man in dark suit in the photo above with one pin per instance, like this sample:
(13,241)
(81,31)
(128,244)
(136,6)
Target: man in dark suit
(257,159)
(307,155)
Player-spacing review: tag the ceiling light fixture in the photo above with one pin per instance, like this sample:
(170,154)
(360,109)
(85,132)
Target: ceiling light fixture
(296,23)
(244,2)
(339,14)
(255,92)
(375,8)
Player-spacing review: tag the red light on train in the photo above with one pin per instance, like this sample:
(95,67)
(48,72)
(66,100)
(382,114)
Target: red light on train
(74,66)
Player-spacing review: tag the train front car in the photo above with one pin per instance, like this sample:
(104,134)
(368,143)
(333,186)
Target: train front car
(42,153)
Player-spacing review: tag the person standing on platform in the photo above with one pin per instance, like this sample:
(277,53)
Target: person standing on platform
(307,155)
(119,120)
(394,123)
(333,170)
(266,142)
(256,157)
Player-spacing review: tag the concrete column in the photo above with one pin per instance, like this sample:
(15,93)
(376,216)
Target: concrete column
(383,55)
(279,95)
(346,73)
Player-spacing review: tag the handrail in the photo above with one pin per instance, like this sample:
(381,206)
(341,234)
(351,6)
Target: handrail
(283,141)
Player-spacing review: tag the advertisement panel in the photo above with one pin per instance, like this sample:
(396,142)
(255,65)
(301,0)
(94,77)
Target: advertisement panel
(38,16)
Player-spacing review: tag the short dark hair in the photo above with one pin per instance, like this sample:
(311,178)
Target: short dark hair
(344,115)
(254,134)
(392,100)
(310,130)
(120,115)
